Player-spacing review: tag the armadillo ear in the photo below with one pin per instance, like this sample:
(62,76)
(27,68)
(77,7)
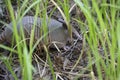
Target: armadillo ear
(63,23)
(3,28)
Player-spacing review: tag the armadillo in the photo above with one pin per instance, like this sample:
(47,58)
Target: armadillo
(56,30)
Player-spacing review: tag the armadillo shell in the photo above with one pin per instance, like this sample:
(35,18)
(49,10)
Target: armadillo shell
(57,33)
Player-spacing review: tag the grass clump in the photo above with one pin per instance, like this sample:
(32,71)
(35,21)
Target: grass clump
(102,21)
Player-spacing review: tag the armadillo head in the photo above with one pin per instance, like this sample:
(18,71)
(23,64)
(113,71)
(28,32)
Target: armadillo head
(58,34)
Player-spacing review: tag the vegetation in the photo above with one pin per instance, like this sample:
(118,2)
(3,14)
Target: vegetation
(100,32)
(103,24)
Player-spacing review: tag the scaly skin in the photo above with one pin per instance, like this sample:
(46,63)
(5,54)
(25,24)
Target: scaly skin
(56,30)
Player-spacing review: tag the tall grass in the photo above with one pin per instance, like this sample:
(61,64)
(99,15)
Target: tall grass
(63,7)
(103,22)
(25,55)
(102,19)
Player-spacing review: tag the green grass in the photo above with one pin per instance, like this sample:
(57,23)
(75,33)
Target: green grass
(64,10)
(102,21)
(103,27)
(25,56)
